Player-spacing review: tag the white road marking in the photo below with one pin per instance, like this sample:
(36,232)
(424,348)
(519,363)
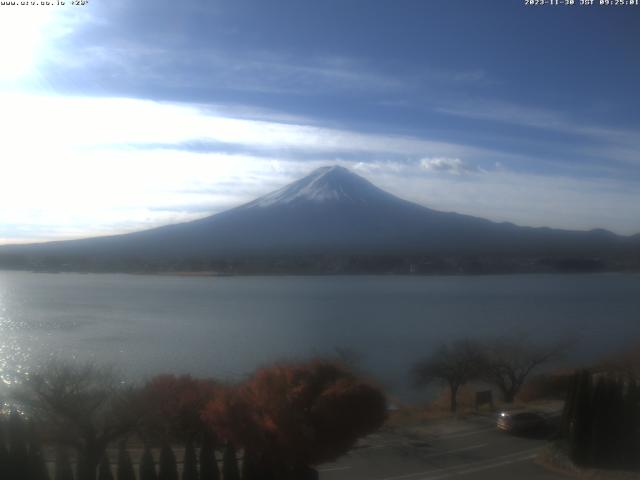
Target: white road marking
(438,437)
(466,434)
(476,466)
(333,469)
(484,467)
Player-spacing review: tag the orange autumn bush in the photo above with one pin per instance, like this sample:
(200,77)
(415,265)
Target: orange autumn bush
(298,414)
(174,404)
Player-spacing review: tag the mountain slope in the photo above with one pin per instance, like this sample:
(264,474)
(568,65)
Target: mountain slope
(334,211)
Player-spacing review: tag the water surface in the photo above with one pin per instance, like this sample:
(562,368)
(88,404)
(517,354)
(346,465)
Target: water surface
(226,326)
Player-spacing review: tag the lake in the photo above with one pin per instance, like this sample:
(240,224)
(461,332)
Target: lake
(226,326)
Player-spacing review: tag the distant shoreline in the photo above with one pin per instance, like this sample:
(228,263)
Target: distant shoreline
(214,274)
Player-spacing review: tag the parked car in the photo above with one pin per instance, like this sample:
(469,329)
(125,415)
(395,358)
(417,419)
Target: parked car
(521,422)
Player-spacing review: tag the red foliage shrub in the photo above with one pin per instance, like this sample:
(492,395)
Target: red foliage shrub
(299,414)
(231,418)
(174,405)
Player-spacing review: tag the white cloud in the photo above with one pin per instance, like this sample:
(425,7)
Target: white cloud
(74,167)
(75,122)
(454,166)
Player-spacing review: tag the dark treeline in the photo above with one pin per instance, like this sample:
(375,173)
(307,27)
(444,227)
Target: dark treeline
(325,264)
(22,458)
(601,420)
(21,454)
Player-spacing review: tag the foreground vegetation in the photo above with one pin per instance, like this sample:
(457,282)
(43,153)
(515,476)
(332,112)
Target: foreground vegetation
(601,421)
(281,422)
(79,422)
(505,363)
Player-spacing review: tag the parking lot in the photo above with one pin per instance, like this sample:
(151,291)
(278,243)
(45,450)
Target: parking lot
(471,448)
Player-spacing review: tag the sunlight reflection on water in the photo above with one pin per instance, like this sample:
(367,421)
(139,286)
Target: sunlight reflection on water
(14,356)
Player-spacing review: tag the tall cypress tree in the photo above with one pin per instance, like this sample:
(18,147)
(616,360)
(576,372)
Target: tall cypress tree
(147,465)
(208,463)
(190,463)
(4,455)
(125,466)
(600,423)
(632,437)
(568,411)
(615,452)
(37,465)
(230,463)
(104,468)
(250,466)
(580,424)
(18,464)
(84,468)
(168,467)
(63,470)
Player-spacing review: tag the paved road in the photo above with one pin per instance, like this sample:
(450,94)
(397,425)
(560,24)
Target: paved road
(477,452)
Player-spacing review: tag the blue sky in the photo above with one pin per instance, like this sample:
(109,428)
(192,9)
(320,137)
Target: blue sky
(123,115)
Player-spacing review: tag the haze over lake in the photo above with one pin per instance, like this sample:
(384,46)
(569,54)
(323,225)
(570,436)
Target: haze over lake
(226,326)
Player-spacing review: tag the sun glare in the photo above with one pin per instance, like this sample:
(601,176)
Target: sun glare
(22,35)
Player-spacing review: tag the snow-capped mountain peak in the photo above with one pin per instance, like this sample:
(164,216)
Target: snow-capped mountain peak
(331,212)
(324,185)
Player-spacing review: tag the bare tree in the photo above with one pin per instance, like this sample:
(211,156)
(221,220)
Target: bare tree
(83,406)
(511,359)
(454,365)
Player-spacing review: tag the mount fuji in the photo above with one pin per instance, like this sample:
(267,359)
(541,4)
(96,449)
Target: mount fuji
(335,212)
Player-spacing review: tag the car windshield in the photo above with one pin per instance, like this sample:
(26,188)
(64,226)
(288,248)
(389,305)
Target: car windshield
(364,239)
